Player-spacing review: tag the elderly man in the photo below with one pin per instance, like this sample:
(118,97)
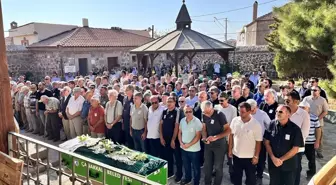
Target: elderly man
(96,118)
(32,105)
(192,98)
(128,102)
(153,127)
(182,102)
(318,107)
(103,96)
(244,145)
(85,111)
(73,111)
(184,88)
(282,141)
(26,93)
(189,137)
(215,128)
(259,96)
(66,95)
(138,122)
(55,91)
(113,115)
(40,107)
(178,89)
(237,97)
(47,82)
(301,119)
(270,105)
(53,121)
(264,121)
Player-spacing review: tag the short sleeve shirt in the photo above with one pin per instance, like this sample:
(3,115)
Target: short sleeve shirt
(75,105)
(283,139)
(214,126)
(112,111)
(139,116)
(189,131)
(245,136)
(317,106)
(95,114)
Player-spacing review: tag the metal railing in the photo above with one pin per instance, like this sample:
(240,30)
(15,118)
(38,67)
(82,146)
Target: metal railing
(17,143)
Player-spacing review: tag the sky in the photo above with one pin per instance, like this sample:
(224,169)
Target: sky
(138,14)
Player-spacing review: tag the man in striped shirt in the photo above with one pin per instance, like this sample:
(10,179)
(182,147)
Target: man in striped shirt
(312,141)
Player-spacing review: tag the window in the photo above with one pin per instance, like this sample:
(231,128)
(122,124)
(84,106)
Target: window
(134,59)
(25,42)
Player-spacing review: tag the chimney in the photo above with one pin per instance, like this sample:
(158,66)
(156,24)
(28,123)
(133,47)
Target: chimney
(85,22)
(13,25)
(255,10)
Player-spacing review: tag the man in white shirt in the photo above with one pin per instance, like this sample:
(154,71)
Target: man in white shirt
(153,127)
(229,110)
(264,121)
(192,98)
(73,112)
(216,68)
(244,145)
(302,119)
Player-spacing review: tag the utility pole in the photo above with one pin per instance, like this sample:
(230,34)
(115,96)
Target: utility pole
(226,28)
(6,114)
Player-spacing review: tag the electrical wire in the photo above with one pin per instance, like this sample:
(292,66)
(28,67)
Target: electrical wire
(232,10)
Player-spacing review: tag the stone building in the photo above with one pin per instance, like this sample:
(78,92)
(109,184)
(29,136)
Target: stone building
(254,33)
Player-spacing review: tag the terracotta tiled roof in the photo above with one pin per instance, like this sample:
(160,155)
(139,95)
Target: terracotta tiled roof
(94,37)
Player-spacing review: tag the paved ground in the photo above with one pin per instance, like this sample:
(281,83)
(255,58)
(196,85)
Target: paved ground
(329,152)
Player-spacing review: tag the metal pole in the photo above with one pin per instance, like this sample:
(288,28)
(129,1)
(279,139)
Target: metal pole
(226,28)
(153,31)
(6,114)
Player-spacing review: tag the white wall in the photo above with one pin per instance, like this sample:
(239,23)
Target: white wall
(30,38)
(47,30)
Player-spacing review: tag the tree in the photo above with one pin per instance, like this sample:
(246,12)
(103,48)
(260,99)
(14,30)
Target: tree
(304,38)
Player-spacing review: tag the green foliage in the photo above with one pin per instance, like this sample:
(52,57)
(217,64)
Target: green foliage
(304,40)
(236,75)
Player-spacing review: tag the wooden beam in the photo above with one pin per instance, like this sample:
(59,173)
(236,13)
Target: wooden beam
(139,59)
(6,114)
(152,58)
(176,64)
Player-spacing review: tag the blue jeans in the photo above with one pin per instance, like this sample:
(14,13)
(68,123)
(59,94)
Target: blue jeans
(139,144)
(194,159)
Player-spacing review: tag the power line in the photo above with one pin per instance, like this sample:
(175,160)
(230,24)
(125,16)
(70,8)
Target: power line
(202,20)
(238,32)
(232,10)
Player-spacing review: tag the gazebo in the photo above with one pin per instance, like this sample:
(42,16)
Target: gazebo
(182,42)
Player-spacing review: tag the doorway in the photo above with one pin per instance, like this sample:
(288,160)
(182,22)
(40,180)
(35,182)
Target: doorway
(112,62)
(144,62)
(83,66)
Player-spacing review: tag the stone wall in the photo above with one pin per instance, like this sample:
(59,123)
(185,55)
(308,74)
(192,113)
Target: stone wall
(44,61)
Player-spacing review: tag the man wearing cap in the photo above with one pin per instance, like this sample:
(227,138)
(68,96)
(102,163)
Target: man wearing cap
(73,111)
(53,121)
(318,107)
(312,141)
(66,95)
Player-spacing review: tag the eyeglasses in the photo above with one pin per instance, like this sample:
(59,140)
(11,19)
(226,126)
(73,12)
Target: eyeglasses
(280,111)
(154,102)
(312,82)
(170,102)
(212,92)
(221,101)
(191,90)
(314,90)
(188,112)
(184,88)
(181,101)
(287,101)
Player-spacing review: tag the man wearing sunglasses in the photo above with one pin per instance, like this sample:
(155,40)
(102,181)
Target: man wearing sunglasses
(214,91)
(282,141)
(189,137)
(169,126)
(313,82)
(318,107)
(215,128)
(302,119)
(244,145)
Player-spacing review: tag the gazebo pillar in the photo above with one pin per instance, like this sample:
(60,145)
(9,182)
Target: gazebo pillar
(139,58)
(152,58)
(176,64)
(224,55)
(6,114)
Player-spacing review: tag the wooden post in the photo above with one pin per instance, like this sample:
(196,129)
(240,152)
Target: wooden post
(6,113)
(176,64)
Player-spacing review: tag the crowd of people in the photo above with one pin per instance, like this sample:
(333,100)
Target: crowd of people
(191,123)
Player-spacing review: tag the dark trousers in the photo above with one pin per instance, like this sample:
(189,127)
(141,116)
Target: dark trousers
(154,147)
(53,126)
(214,159)
(244,164)
(127,136)
(191,159)
(17,115)
(169,154)
(261,162)
(299,169)
(139,144)
(202,153)
(115,133)
(280,177)
(310,154)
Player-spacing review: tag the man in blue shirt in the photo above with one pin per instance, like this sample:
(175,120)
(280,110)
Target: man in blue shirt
(85,111)
(259,96)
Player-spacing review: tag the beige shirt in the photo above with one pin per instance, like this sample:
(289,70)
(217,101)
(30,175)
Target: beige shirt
(75,105)
(138,116)
(317,106)
(111,109)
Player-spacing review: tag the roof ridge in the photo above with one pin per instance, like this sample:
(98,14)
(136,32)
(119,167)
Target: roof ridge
(63,41)
(57,35)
